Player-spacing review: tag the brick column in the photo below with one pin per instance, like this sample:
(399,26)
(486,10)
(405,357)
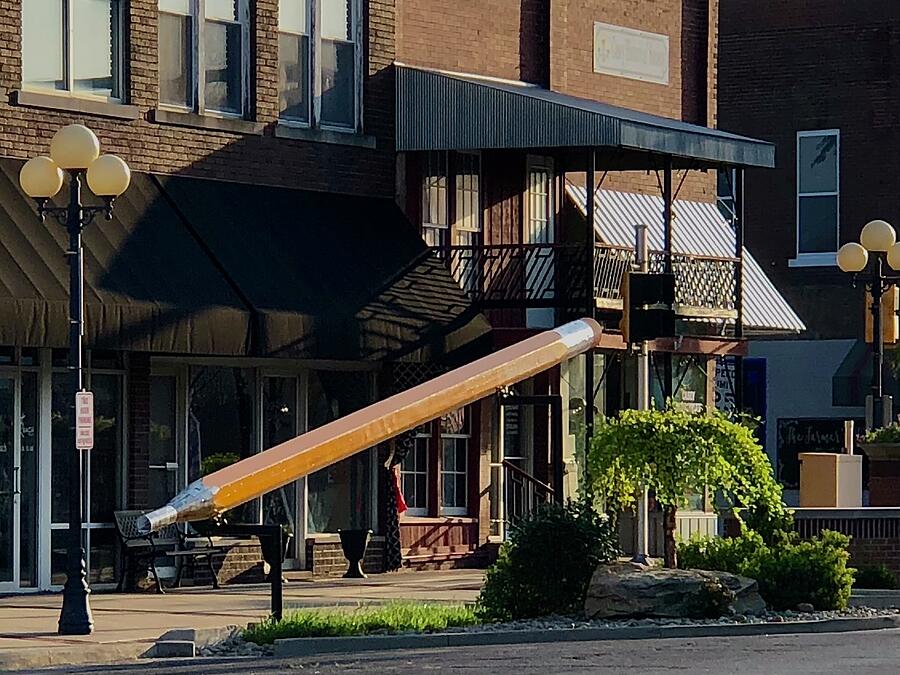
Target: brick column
(138,403)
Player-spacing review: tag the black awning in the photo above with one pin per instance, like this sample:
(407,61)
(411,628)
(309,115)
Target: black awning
(441,111)
(149,286)
(328,275)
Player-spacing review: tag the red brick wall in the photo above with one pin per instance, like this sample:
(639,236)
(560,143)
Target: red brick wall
(784,70)
(500,38)
(149,146)
(138,431)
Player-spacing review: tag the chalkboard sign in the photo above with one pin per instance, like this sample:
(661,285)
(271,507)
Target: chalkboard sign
(796,435)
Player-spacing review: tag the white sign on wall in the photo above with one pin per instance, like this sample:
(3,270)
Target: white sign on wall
(84,420)
(626,52)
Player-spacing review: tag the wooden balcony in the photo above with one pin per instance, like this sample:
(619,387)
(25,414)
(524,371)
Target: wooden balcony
(556,275)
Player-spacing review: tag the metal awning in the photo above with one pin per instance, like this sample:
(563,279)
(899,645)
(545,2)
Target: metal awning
(698,228)
(449,111)
(190,266)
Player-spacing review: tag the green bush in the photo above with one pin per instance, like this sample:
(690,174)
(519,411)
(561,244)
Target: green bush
(788,572)
(888,434)
(813,571)
(878,576)
(546,565)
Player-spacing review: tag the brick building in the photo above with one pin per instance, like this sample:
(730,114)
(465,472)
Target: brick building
(818,79)
(332,201)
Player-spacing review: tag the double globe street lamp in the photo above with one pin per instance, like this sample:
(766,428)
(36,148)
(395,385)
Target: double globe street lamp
(75,151)
(878,244)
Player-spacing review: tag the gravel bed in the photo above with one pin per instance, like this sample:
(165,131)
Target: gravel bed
(235,645)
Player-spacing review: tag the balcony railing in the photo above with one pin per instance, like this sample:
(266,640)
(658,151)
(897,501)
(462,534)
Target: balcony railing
(555,275)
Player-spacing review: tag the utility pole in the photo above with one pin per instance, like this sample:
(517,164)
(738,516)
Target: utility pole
(642,544)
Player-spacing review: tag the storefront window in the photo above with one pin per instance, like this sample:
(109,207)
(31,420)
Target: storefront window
(279,424)
(164,478)
(339,495)
(220,425)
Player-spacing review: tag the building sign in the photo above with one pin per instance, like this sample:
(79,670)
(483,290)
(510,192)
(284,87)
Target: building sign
(635,54)
(725,385)
(796,435)
(84,420)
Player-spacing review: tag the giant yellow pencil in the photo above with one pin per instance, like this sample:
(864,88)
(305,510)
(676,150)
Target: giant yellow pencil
(255,476)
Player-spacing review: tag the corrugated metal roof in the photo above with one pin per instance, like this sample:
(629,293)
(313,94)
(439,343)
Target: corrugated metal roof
(449,111)
(697,228)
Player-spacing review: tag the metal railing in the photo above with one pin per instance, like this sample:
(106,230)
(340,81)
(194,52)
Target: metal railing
(523,493)
(554,275)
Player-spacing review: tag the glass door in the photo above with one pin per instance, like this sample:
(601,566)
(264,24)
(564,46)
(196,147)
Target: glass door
(9,486)
(540,264)
(18,481)
(280,402)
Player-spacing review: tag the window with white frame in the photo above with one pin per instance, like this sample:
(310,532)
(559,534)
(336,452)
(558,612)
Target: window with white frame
(203,47)
(454,463)
(466,175)
(73,46)
(435,210)
(414,474)
(319,69)
(818,195)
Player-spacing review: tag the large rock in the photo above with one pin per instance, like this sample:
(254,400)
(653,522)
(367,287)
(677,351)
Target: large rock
(623,590)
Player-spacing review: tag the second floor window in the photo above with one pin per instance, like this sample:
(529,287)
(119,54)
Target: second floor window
(203,55)
(74,46)
(318,51)
(818,154)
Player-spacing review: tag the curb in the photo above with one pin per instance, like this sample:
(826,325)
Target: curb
(293,647)
(86,654)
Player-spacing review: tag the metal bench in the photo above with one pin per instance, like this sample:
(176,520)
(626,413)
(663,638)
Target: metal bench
(170,541)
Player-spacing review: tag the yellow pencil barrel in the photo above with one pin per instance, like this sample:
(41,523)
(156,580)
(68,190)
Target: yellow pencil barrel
(255,476)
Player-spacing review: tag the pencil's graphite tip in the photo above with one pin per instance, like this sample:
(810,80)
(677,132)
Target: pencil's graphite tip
(195,502)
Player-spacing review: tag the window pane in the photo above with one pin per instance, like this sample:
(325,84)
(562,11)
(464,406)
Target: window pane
(62,441)
(293,15)
(293,69)
(95,50)
(338,66)
(43,64)
(818,225)
(175,81)
(818,164)
(162,420)
(222,43)
(448,490)
(448,460)
(102,556)
(226,10)
(107,452)
(337,19)
(179,6)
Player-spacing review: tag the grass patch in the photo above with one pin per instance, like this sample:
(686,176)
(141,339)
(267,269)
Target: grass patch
(398,617)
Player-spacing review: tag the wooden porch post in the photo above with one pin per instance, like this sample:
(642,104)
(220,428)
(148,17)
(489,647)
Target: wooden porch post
(667,245)
(739,285)
(590,301)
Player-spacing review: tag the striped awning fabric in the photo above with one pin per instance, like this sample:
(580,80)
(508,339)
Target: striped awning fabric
(698,228)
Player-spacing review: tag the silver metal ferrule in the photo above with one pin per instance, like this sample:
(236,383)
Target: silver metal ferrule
(577,336)
(195,502)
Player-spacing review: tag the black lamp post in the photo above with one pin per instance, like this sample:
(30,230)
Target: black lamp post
(76,150)
(879,239)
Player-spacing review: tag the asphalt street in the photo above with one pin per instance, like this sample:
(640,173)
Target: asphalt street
(823,654)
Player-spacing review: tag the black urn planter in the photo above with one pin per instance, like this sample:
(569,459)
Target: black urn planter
(354,543)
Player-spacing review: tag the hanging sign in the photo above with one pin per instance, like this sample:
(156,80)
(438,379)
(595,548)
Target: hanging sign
(84,420)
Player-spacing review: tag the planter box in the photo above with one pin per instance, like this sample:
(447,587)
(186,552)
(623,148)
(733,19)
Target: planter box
(884,473)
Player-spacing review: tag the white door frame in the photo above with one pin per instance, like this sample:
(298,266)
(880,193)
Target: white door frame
(12,584)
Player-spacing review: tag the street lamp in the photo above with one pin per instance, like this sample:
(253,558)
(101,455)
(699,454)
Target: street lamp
(879,239)
(75,150)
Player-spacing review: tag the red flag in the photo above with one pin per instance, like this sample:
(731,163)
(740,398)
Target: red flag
(398,493)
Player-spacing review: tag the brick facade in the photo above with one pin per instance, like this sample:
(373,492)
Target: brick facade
(325,558)
(784,70)
(149,146)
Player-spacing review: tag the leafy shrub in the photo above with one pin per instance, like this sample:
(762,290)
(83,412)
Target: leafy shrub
(813,571)
(738,555)
(773,522)
(878,576)
(788,572)
(546,565)
(888,434)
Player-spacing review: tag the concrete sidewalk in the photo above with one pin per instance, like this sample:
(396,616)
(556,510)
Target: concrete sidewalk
(126,623)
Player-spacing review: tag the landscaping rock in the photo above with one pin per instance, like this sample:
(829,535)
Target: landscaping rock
(633,590)
(805,608)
